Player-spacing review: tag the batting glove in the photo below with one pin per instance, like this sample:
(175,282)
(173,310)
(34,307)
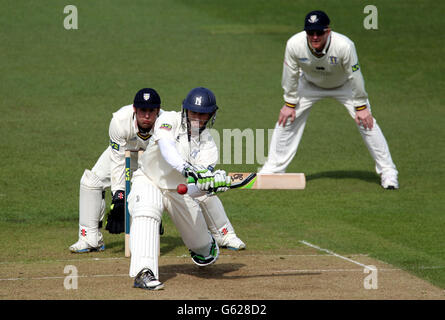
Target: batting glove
(116,217)
(199,175)
(221,182)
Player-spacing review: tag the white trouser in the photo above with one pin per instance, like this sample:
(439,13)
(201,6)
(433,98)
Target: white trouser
(215,216)
(285,140)
(146,203)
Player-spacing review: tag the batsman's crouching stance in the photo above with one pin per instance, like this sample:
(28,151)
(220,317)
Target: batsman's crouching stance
(181,147)
(131,129)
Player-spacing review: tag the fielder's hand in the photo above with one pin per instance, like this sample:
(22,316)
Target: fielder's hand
(286,113)
(221,182)
(116,217)
(364,117)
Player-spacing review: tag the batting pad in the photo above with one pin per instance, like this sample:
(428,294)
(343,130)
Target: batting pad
(144,245)
(91,206)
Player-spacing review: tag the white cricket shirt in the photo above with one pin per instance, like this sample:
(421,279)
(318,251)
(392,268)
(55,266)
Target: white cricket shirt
(334,69)
(124,134)
(202,151)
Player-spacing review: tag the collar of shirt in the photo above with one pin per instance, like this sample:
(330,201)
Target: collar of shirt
(141,134)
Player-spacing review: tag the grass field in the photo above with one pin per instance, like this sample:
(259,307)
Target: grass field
(59,88)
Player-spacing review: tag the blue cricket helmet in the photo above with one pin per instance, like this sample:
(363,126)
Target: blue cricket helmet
(200,100)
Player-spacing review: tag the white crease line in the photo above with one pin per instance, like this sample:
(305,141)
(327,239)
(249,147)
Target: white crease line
(191,273)
(329,270)
(63,277)
(63,260)
(167,256)
(337,255)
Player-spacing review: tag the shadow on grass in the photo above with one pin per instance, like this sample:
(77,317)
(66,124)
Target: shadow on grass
(342,174)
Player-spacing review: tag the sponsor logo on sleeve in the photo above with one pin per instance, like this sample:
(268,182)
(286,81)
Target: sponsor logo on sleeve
(355,67)
(166,126)
(114,145)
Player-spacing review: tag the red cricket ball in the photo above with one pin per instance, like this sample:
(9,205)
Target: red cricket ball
(182,189)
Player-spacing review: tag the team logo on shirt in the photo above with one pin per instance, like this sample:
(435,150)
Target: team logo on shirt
(114,145)
(166,126)
(146,96)
(355,67)
(333,60)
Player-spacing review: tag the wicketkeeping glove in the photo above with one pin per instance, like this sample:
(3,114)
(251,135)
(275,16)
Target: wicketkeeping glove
(221,182)
(202,177)
(116,217)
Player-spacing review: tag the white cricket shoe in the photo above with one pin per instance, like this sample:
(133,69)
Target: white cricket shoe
(81,246)
(389,182)
(147,280)
(230,241)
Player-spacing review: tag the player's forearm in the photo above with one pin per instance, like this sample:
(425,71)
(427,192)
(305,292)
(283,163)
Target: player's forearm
(117,170)
(171,154)
(359,94)
(352,68)
(289,83)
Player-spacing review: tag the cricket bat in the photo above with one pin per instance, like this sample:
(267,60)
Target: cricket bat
(266,181)
(249,180)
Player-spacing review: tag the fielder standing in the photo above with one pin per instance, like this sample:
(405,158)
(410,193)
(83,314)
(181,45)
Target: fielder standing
(320,63)
(130,128)
(181,147)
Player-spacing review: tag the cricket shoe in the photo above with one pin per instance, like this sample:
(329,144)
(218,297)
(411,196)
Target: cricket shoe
(145,279)
(207,260)
(389,182)
(82,246)
(230,241)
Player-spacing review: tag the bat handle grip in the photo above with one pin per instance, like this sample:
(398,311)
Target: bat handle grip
(191,180)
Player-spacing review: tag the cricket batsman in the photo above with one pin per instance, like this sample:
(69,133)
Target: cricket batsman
(130,128)
(320,63)
(181,147)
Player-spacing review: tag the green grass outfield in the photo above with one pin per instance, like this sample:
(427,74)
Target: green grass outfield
(59,87)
